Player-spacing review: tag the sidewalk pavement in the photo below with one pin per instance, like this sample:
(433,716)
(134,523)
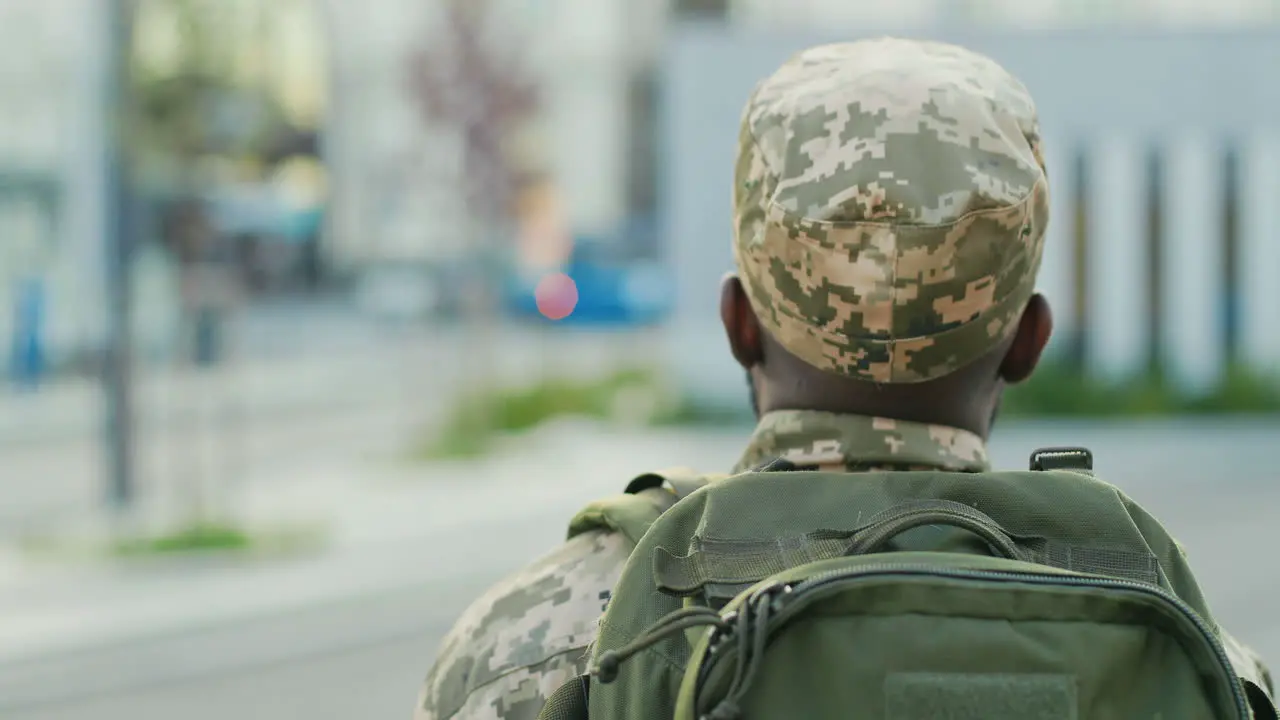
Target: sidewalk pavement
(396,527)
(74,407)
(255,420)
(308,381)
(391,524)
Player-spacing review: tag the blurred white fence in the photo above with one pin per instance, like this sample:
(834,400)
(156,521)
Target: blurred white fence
(1164,160)
(1179,259)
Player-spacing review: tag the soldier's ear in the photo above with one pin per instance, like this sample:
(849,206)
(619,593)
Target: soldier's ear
(1034,329)
(740,324)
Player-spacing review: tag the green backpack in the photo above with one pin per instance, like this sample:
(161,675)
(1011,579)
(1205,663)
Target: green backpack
(1041,595)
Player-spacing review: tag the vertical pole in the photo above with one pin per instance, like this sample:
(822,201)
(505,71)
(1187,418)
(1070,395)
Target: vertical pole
(118,371)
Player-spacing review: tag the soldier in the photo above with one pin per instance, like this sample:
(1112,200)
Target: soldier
(890,204)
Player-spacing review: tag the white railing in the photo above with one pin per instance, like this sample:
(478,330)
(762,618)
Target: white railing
(1194,304)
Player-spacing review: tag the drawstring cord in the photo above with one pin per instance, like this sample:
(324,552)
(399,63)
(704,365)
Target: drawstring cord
(606,669)
(751,635)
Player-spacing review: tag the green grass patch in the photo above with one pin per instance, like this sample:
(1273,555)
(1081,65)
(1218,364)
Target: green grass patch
(196,538)
(1057,390)
(467,434)
(692,414)
(1063,391)
(1241,392)
(207,537)
(479,419)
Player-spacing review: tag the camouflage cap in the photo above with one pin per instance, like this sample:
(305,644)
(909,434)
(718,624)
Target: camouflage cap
(890,204)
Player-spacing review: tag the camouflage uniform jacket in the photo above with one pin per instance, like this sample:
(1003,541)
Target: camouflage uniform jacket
(530,633)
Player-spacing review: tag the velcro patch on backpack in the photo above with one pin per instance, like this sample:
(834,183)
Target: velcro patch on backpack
(960,696)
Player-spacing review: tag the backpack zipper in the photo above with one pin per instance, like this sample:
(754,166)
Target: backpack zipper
(791,592)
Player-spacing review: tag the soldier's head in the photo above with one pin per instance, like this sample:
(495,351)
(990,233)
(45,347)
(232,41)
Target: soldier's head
(890,204)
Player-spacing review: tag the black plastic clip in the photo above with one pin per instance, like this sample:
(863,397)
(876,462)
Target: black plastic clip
(1062,459)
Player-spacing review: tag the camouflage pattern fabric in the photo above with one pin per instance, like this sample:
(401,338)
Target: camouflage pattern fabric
(530,633)
(527,635)
(830,442)
(890,204)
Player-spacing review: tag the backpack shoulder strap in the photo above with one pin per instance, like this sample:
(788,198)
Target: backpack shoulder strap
(645,499)
(1255,675)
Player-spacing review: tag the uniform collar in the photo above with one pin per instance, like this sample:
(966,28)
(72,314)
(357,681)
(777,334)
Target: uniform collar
(832,441)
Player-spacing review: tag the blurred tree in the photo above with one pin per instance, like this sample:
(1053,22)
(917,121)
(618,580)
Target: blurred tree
(461,80)
(192,98)
(191,101)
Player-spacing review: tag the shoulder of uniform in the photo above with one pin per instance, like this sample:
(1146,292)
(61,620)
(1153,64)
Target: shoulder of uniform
(550,608)
(645,498)
(542,611)
(682,481)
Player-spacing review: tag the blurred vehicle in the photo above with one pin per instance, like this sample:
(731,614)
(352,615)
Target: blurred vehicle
(278,240)
(613,289)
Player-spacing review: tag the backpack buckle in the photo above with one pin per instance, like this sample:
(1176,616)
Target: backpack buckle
(1076,458)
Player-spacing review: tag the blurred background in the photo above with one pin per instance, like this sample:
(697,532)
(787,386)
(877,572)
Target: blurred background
(318,316)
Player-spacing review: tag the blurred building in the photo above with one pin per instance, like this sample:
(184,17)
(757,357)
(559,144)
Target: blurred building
(49,208)
(396,189)
(599,63)
(1000,14)
(389,190)
(52,175)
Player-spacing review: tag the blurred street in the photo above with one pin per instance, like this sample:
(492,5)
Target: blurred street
(310,385)
(292,235)
(347,633)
